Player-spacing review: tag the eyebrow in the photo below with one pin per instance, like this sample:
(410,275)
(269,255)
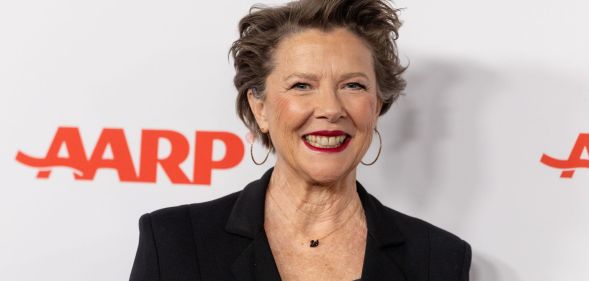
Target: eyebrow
(308,76)
(314,77)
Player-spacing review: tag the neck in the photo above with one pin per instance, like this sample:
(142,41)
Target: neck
(312,207)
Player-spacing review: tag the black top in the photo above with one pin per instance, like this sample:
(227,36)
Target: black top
(224,240)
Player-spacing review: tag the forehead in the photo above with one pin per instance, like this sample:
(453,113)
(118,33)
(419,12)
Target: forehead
(314,50)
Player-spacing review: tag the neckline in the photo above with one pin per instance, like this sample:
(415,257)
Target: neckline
(247,216)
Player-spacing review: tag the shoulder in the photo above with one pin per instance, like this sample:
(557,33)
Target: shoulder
(448,254)
(175,231)
(414,228)
(167,244)
(173,219)
(405,227)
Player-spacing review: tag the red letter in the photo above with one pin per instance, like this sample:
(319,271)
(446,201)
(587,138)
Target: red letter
(70,136)
(122,161)
(203,158)
(574,160)
(171,164)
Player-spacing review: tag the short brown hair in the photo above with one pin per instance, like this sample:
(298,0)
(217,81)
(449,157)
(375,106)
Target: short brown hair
(260,31)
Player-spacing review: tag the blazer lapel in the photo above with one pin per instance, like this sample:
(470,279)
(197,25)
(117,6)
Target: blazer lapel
(383,243)
(378,265)
(256,262)
(247,220)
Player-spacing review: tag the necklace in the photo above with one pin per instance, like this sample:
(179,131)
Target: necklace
(314,242)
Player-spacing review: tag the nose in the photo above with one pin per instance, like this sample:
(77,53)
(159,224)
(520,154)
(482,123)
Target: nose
(329,106)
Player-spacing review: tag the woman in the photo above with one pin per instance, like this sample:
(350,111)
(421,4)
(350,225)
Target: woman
(313,77)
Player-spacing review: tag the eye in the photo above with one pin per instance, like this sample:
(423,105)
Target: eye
(355,86)
(301,86)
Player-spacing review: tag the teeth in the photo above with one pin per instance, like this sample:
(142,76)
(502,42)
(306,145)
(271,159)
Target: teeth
(325,142)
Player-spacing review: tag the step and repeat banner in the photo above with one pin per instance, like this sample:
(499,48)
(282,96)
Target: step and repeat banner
(112,109)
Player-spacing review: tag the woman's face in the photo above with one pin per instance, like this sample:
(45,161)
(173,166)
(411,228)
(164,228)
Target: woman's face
(321,104)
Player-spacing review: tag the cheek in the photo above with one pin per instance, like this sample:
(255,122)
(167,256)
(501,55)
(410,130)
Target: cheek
(363,111)
(287,115)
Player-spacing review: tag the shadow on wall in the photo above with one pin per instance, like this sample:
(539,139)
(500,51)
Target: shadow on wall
(435,164)
(490,269)
(432,135)
(434,147)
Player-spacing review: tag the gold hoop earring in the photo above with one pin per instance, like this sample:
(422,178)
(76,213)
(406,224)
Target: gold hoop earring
(379,149)
(252,155)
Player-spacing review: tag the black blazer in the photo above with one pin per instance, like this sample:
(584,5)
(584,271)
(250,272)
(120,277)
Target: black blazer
(224,240)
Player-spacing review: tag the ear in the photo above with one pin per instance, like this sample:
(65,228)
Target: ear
(379,104)
(378,107)
(258,107)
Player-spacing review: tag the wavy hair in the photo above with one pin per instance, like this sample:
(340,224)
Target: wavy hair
(260,31)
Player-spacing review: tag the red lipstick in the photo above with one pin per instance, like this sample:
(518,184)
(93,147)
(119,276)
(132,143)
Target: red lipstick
(324,133)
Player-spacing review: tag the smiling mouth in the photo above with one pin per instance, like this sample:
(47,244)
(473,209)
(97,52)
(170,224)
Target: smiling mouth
(327,141)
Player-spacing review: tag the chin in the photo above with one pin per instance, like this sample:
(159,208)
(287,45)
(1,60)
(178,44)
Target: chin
(326,174)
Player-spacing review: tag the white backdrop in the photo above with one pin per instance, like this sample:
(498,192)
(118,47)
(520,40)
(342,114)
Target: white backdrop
(493,85)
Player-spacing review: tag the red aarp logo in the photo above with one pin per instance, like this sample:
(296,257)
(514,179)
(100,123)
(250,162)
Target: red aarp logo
(85,167)
(574,161)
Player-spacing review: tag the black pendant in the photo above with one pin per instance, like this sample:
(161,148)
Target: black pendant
(314,243)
